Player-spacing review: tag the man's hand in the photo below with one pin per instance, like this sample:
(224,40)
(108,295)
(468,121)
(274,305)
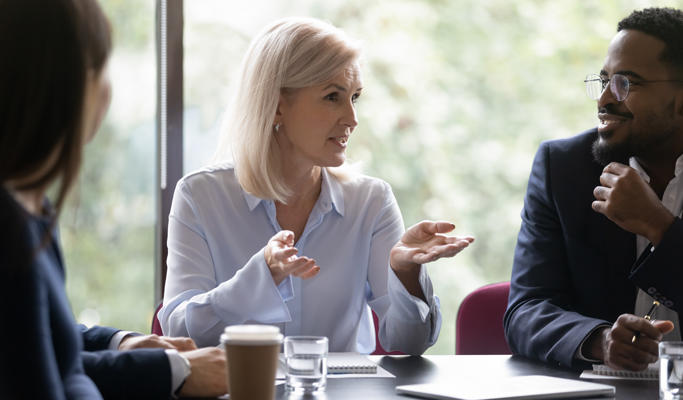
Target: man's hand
(627,200)
(209,376)
(131,342)
(615,348)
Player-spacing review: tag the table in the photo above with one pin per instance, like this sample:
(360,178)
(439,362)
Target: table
(412,369)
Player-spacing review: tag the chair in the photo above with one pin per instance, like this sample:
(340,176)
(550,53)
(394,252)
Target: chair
(156,325)
(479,326)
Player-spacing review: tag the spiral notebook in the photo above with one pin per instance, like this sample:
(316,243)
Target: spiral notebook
(600,371)
(350,363)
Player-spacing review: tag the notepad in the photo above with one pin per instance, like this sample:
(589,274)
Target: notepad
(512,388)
(350,363)
(601,371)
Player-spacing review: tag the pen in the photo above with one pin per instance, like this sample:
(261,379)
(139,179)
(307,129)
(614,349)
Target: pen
(648,316)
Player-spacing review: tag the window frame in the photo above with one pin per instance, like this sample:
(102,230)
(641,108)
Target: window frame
(169,126)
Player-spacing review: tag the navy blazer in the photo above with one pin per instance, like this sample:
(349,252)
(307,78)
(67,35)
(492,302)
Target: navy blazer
(574,269)
(40,344)
(140,373)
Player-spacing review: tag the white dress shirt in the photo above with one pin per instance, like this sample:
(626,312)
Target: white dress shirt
(217,274)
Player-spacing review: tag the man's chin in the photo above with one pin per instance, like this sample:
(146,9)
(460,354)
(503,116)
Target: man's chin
(605,152)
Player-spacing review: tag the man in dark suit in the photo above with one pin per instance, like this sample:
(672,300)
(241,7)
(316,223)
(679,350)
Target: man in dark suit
(598,200)
(127,365)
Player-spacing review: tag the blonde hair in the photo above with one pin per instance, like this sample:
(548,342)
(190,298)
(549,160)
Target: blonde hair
(292,53)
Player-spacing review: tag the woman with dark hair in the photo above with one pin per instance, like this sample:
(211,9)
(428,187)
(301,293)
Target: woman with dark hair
(54,91)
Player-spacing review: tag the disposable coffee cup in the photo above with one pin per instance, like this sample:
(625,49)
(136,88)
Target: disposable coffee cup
(252,352)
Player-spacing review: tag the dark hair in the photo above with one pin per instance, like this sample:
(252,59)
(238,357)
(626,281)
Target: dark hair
(666,24)
(46,51)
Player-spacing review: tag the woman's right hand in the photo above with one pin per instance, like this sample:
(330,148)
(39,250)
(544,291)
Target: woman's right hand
(282,260)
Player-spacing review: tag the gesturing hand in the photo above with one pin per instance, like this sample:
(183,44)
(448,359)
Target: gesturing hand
(627,200)
(131,342)
(425,242)
(280,255)
(615,347)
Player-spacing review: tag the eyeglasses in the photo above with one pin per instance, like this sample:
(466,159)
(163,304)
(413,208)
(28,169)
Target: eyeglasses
(618,85)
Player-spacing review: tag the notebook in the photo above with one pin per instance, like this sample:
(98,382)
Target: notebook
(600,371)
(512,388)
(350,363)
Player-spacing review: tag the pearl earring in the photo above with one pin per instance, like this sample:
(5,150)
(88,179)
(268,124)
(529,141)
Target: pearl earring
(277,127)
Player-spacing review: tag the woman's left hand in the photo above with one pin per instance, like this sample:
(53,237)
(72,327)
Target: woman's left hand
(426,242)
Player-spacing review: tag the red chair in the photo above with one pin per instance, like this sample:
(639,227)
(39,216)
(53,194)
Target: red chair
(379,350)
(479,326)
(156,325)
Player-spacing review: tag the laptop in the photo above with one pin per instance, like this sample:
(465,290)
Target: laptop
(511,388)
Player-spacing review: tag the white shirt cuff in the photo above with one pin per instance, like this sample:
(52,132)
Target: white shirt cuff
(180,369)
(407,301)
(117,338)
(579,351)
(286,288)
(411,305)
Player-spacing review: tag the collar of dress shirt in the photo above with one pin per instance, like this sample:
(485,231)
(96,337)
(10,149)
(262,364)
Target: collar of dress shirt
(633,163)
(331,195)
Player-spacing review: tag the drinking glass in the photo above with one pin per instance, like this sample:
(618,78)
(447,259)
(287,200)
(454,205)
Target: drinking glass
(670,370)
(306,362)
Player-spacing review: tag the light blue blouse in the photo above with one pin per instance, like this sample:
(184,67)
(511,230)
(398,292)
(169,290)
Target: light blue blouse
(217,274)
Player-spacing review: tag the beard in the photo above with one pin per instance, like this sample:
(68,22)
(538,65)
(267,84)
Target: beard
(652,138)
(605,153)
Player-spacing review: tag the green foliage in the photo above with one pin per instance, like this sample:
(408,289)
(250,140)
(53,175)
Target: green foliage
(132,22)
(107,227)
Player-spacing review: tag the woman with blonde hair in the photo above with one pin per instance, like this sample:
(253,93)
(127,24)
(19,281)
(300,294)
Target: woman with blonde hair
(281,236)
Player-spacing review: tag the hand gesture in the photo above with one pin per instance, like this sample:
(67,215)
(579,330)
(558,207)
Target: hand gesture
(627,200)
(131,342)
(617,350)
(426,242)
(209,376)
(281,257)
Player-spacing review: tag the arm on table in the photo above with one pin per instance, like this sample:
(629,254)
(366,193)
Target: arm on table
(540,321)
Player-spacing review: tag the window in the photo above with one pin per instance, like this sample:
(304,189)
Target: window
(107,228)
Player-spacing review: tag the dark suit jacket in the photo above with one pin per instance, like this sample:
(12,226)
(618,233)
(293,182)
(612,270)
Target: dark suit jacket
(142,373)
(39,343)
(574,269)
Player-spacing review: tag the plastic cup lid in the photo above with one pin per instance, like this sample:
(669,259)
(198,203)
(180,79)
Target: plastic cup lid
(251,334)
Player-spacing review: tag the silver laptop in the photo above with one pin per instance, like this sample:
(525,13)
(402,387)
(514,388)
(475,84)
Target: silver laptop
(511,388)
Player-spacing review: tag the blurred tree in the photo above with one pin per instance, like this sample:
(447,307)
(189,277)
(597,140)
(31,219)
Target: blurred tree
(108,225)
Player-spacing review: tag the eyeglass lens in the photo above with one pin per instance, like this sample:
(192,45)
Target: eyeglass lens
(618,85)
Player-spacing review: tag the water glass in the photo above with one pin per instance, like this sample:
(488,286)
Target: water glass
(670,370)
(306,362)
